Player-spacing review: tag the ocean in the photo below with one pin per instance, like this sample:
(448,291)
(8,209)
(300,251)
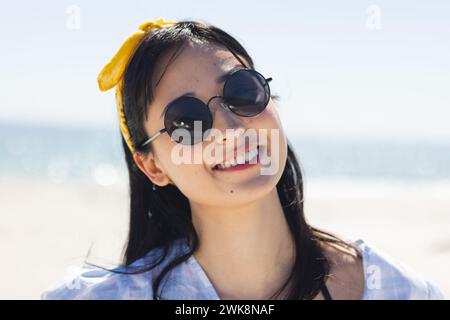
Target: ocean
(95,155)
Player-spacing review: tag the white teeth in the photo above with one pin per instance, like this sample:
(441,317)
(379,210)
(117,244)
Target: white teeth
(252,154)
(240,159)
(247,157)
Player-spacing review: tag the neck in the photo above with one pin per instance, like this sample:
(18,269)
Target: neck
(246,251)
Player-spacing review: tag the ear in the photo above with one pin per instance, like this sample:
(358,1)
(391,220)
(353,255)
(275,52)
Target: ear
(150,168)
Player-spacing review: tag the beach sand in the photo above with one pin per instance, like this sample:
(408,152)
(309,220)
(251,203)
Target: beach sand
(47,227)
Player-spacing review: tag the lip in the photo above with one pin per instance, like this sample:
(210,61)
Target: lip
(243,166)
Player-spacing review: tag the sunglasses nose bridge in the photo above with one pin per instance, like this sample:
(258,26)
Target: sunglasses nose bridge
(215,103)
(223,117)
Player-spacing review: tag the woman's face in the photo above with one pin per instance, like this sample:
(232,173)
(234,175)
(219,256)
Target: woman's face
(195,69)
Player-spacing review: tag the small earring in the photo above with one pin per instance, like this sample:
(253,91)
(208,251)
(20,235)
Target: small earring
(153,187)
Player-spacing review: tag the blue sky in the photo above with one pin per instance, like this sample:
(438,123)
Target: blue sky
(335,75)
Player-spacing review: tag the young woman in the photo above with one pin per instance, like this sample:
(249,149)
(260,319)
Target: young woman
(221,227)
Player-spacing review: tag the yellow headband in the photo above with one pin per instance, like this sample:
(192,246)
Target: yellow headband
(112,74)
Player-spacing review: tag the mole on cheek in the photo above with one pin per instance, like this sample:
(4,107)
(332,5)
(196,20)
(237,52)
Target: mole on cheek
(231,191)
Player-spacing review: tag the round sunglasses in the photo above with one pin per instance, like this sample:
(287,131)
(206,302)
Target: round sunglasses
(246,93)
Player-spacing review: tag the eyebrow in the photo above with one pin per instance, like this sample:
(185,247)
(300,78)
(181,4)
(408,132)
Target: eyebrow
(224,77)
(219,80)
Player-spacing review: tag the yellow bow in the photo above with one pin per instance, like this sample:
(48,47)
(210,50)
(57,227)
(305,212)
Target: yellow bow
(112,73)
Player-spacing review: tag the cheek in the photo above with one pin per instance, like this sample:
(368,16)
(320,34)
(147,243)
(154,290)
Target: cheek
(268,119)
(272,113)
(192,179)
(276,136)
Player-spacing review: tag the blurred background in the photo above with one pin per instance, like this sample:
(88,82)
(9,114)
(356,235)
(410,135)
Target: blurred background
(364,98)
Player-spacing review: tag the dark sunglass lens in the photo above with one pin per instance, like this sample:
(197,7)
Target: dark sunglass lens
(186,120)
(246,92)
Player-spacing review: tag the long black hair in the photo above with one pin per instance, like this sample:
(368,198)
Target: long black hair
(160,216)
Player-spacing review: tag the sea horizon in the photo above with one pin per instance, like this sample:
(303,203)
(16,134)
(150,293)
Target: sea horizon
(95,155)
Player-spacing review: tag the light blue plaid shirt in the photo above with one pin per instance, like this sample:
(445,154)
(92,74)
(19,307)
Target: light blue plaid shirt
(384,280)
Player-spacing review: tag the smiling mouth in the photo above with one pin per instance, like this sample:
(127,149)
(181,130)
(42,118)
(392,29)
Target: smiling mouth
(249,158)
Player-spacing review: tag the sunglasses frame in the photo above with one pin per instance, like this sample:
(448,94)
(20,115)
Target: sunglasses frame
(163,130)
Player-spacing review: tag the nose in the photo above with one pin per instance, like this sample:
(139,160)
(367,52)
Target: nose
(224,118)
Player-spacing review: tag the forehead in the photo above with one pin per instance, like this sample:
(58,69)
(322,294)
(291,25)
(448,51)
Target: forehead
(191,68)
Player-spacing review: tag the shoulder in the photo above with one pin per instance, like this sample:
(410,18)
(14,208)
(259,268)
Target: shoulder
(87,282)
(387,279)
(346,277)
(95,283)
